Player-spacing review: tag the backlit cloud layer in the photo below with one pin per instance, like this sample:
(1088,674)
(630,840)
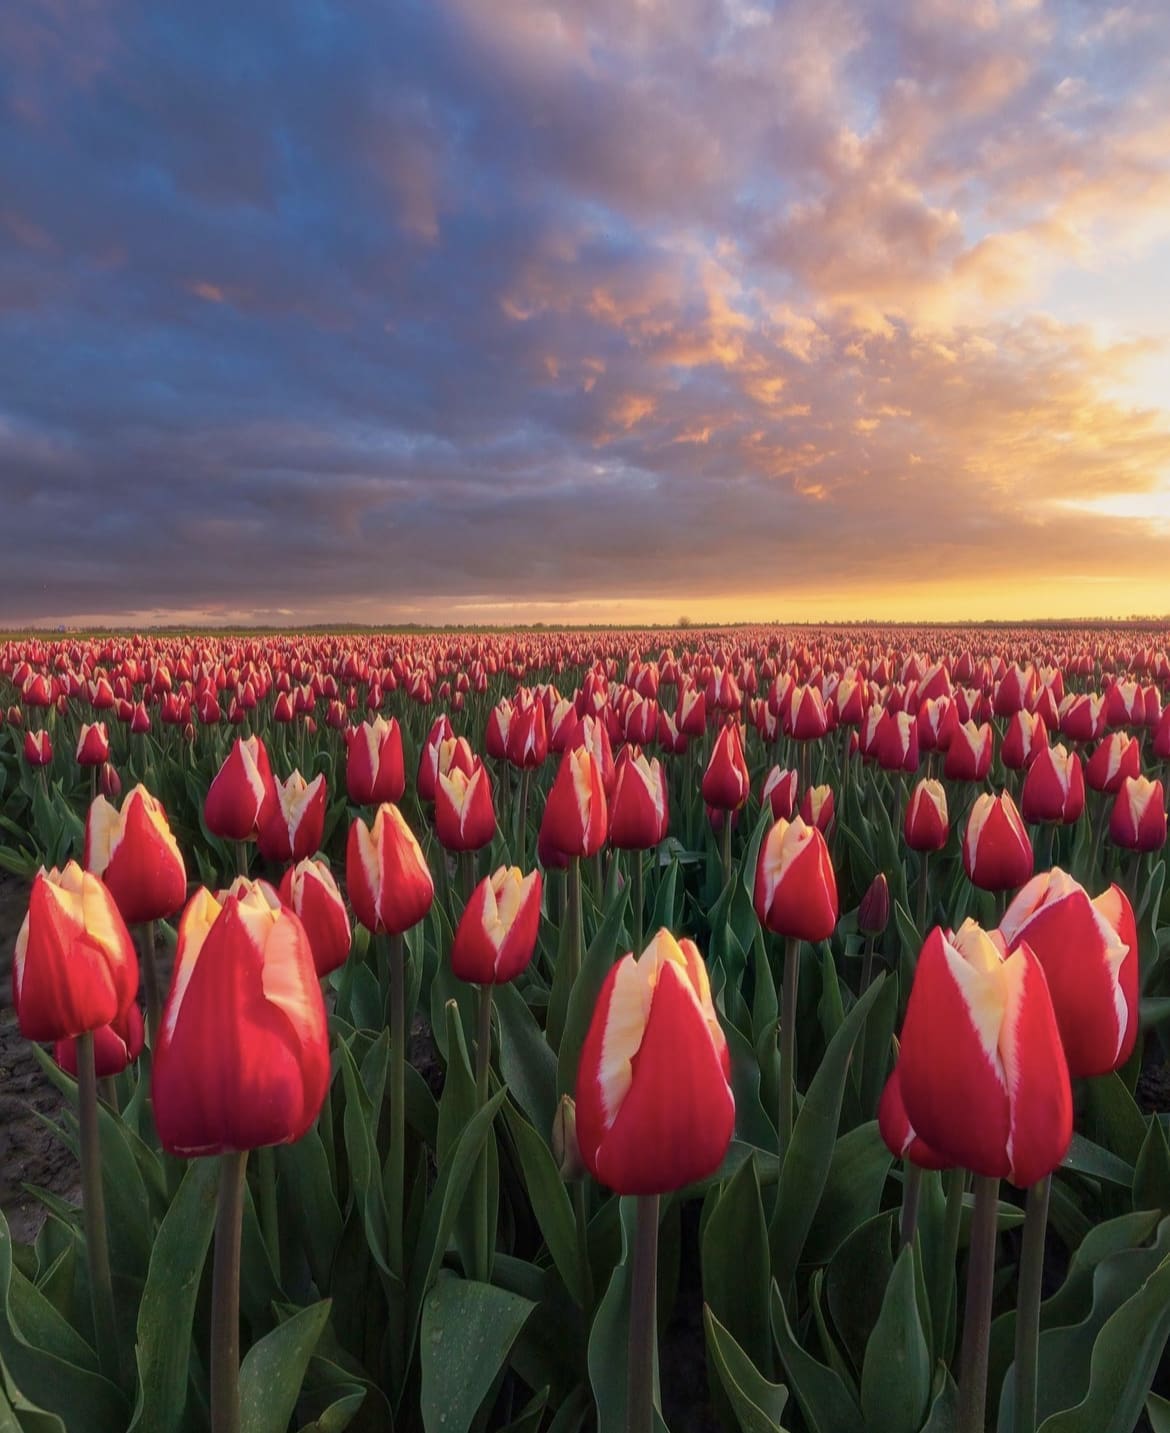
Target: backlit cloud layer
(314,310)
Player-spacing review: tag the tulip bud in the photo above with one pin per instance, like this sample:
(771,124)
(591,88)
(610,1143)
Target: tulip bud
(114,1046)
(1054,788)
(243,1050)
(927,826)
(240,799)
(137,856)
(818,807)
(576,812)
(655,1110)
(726,782)
(309,890)
(895,1128)
(1118,757)
(1089,952)
(639,815)
(983,1075)
(795,888)
(374,768)
(496,935)
(566,1151)
(74,968)
(93,744)
(390,886)
(997,853)
(295,821)
(1138,819)
(38,748)
(968,756)
(780,793)
(873,915)
(109,782)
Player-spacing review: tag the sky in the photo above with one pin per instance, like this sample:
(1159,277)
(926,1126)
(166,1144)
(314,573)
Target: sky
(617,310)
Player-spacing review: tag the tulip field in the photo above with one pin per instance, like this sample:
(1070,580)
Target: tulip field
(751,1029)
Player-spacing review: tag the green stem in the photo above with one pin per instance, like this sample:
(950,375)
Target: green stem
(575,918)
(788,1043)
(1028,1305)
(467,874)
(397,1162)
(911,1191)
(225,1295)
(977,1312)
(101,1288)
(150,980)
(581,1219)
(522,830)
(944,1273)
(269,1215)
(636,898)
(867,965)
(643,1319)
(923,894)
(483,1067)
(242,858)
(725,846)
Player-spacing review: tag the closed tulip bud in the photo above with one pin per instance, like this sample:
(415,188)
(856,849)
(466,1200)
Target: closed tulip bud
(114,1046)
(527,744)
(308,889)
(691,716)
(374,770)
(496,734)
(109,782)
(38,748)
(670,739)
(496,935)
(283,711)
(93,744)
(983,1075)
(576,814)
(1054,788)
(295,822)
(795,888)
(134,852)
(565,1148)
(1138,819)
(465,818)
(1082,716)
(997,853)
(550,856)
(927,826)
(806,719)
(1089,952)
(140,719)
(780,793)
(895,742)
(968,757)
(242,1058)
(1025,737)
(895,1128)
(1118,757)
(74,968)
(873,915)
(655,1110)
(428,761)
(818,807)
(241,796)
(726,782)
(639,816)
(390,886)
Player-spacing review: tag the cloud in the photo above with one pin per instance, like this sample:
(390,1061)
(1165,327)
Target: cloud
(364,310)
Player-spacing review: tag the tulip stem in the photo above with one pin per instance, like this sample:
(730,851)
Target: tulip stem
(1028,1305)
(269,1217)
(788,1043)
(944,1275)
(101,1289)
(225,1294)
(643,1319)
(92,784)
(911,1191)
(522,828)
(575,918)
(242,859)
(867,967)
(977,1311)
(636,896)
(150,980)
(467,874)
(923,894)
(483,1068)
(397,1101)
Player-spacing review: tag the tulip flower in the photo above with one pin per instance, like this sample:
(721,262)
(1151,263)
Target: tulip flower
(997,854)
(726,782)
(926,825)
(817,808)
(795,888)
(691,716)
(295,822)
(115,1046)
(1118,757)
(1089,952)
(527,744)
(780,793)
(1025,738)
(374,770)
(968,756)
(1137,821)
(1054,788)
(496,935)
(386,873)
(576,812)
(243,1054)
(309,890)
(93,744)
(428,761)
(982,1070)
(465,818)
(655,1110)
(241,796)
(136,855)
(807,719)
(1082,716)
(894,1126)
(873,914)
(895,742)
(639,815)
(74,968)
(38,748)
